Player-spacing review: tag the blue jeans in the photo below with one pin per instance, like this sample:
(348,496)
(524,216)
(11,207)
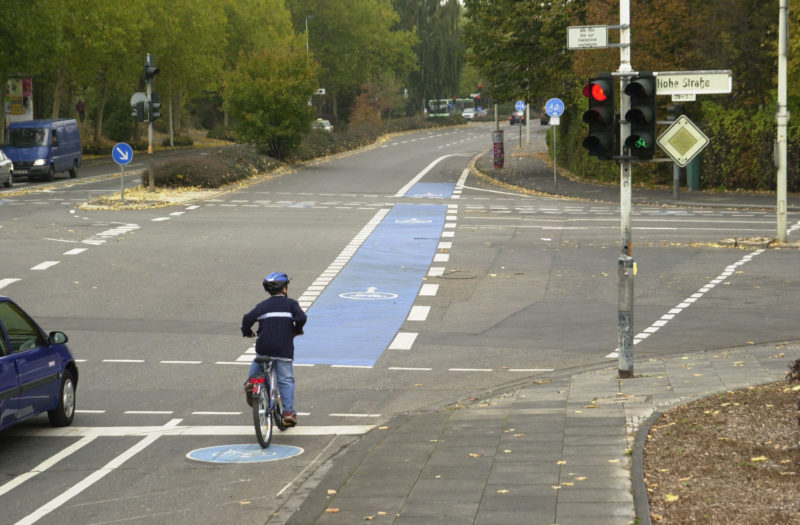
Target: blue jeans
(285,372)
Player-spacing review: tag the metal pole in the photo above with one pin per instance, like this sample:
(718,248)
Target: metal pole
(528,124)
(676,181)
(150,177)
(782,119)
(626,264)
(122,182)
(555,157)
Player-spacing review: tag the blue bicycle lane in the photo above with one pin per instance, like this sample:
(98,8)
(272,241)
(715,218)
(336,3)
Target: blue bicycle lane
(359,313)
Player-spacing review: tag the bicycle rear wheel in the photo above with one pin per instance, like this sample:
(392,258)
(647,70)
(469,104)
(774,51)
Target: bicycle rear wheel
(277,413)
(261,417)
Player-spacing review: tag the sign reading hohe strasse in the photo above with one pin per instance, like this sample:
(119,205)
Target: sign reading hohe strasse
(693,82)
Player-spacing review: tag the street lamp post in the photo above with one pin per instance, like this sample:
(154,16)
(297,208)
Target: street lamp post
(307,17)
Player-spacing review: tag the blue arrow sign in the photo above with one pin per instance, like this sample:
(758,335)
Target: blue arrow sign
(554,107)
(520,105)
(122,153)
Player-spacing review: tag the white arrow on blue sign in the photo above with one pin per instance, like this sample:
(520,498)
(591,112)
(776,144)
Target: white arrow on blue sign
(554,107)
(520,105)
(122,153)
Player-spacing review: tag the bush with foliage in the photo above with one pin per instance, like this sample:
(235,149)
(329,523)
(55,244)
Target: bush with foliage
(268,96)
(223,166)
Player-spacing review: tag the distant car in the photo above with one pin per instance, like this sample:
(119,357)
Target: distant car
(6,170)
(322,124)
(468,113)
(37,371)
(518,117)
(544,120)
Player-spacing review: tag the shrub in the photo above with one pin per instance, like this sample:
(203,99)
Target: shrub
(224,166)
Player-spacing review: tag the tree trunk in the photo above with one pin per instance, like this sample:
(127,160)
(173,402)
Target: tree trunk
(101,104)
(57,93)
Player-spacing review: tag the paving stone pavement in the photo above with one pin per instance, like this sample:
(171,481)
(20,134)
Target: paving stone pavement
(558,449)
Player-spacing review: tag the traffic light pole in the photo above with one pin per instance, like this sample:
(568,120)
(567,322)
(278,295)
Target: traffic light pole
(626,265)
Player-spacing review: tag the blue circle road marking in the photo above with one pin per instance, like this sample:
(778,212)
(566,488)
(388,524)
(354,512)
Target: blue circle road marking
(243,453)
(122,153)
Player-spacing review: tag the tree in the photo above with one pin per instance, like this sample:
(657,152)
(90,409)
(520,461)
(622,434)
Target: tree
(519,46)
(354,41)
(268,94)
(439,51)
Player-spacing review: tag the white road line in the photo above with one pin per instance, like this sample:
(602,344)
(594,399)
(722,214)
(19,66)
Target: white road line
(181,362)
(403,341)
(171,429)
(75,251)
(429,289)
(6,282)
(149,412)
(335,414)
(123,360)
(419,313)
(45,265)
(429,167)
(657,325)
(46,464)
(469,369)
(411,369)
(202,413)
(93,478)
(528,370)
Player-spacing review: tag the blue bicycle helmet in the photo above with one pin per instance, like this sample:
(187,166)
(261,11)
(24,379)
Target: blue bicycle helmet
(274,282)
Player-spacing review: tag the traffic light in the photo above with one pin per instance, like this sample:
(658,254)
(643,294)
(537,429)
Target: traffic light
(480,88)
(150,73)
(138,111)
(642,116)
(601,140)
(155,106)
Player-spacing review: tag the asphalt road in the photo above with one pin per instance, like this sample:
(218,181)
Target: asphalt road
(511,287)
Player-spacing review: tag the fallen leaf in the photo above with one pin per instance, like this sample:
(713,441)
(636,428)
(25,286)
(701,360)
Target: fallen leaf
(671,497)
(383,428)
(503,491)
(759,458)
(331,491)
(475,455)
(332,510)
(561,462)
(580,478)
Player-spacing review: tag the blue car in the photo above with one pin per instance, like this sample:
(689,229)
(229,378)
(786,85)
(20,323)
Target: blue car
(37,371)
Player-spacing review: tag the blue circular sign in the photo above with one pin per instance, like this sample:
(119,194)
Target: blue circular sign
(520,105)
(554,107)
(243,453)
(122,153)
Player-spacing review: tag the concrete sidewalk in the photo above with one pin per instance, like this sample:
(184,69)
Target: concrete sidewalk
(555,450)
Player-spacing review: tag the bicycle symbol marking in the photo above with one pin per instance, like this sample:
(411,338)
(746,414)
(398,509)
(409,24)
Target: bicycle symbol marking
(370,294)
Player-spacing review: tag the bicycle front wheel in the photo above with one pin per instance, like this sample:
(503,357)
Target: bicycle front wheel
(261,418)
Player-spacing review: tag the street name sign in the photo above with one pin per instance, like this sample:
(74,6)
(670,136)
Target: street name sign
(682,141)
(693,82)
(587,37)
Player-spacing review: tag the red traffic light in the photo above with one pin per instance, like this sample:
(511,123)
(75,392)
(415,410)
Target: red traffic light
(595,91)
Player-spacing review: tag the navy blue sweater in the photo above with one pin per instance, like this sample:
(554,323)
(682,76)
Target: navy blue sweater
(279,320)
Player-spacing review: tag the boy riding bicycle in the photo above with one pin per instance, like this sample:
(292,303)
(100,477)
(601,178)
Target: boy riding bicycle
(280,319)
